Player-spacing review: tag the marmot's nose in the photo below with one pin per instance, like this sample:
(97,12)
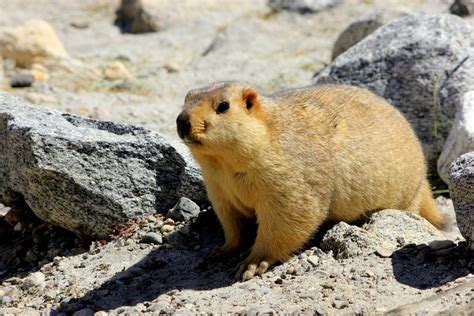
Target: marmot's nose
(183,124)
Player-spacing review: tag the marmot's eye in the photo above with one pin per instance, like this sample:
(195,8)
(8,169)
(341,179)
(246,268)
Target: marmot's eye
(222,107)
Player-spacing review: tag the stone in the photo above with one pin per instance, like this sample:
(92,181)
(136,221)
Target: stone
(22,80)
(461,136)
(166,228)
(84,312)
(35,279)
(132,18)
(462,7)
(34,41)
(441,244)
(152,238)
(184,210)
(116,71)
(354,33)
(461,188)
(302,6)
(85,175)
(421,64)
(415,229)
(348,241)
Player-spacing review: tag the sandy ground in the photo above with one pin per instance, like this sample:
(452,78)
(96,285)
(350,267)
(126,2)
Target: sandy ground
(243,41)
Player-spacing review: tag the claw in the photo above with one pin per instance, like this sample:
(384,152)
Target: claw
(248,268)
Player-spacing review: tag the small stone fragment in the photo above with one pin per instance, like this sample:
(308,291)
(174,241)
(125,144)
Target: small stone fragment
(36,279)
(340,303)
(166,228)
(22,80)
(84,312)
(462,7)
(184,210)
(116,71)
(441,244)
(152,238)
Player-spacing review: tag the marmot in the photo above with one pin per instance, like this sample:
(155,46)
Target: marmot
(292,160)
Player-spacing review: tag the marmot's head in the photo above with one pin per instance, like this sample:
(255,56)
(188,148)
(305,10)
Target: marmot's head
(219,116)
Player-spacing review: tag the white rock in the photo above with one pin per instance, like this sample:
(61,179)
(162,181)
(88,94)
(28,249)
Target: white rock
(116,71)
(32,42)
(36,279)
(461,136)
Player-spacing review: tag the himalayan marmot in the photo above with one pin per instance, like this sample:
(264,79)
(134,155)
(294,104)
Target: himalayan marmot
(293,159)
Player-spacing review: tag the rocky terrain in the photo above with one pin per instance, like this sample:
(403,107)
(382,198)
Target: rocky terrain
(139,246)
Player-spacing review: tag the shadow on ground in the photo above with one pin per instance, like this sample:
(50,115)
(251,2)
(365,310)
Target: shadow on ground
(163,270)
(420,267)
(27,243)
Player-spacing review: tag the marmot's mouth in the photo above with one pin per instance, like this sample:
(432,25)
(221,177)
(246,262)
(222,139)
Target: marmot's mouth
(189,141)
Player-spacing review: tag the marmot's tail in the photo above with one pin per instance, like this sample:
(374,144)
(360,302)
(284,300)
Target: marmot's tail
(428,208)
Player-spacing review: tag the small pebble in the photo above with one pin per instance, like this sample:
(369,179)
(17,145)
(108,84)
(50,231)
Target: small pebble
(116,71)
(84,312)
(184,210)
(6,300)
(339,303)
(169,221)
(22,80)
(441,244)
(36,279)
(18,227)
(167,228)
(313,260)
(152,238)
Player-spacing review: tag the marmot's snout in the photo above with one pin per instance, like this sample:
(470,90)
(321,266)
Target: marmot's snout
(183,124)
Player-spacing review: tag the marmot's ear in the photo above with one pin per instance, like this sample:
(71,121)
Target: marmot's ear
(251,99)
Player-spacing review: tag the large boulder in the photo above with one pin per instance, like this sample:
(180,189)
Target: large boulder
(461,137)
(421,64)
(461,187)
(85,175)
(34,41)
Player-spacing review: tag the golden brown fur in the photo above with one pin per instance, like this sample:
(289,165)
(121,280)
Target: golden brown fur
(299,157)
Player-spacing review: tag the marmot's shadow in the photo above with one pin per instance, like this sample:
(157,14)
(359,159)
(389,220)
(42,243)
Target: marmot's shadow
(421,268)
(164,270)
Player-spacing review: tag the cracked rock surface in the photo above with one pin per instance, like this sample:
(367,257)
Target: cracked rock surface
(85,175)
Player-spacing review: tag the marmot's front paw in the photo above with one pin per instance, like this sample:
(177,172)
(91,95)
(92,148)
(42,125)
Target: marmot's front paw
(250,267)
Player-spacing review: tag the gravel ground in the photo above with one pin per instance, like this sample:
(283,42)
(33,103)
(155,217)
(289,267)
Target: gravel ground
(158,265)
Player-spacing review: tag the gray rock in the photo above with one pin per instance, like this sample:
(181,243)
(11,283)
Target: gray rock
(461,136)
(351,241)
(85,175)
(354,33)
(152,238)
(421,64)
(415,229)
(462,7)
(184,210)
(461,187)
(441,244)
(84,312)
(132,18)
(35,279)
(22,79)
(302,6)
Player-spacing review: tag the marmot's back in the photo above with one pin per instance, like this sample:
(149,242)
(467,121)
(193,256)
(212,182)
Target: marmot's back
(375,159)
